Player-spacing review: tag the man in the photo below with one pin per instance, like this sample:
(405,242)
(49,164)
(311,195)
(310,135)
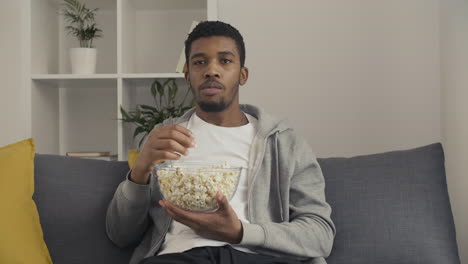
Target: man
(278,213)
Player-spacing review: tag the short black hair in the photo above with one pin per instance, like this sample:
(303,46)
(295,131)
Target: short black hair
(215,28)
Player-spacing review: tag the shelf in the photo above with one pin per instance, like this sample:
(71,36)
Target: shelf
(97,80)
(152,75)
(77,80)
(38,77)
(56,77)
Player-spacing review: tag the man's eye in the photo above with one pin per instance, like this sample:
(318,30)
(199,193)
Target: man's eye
(198,62)
(226,61)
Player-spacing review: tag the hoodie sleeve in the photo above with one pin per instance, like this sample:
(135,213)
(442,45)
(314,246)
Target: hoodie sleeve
(309,233)
(127,215)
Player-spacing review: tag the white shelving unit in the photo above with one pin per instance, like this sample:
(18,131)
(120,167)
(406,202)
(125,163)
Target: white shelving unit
(142,41)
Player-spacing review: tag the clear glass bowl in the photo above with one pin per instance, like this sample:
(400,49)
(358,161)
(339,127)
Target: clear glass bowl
(193,185)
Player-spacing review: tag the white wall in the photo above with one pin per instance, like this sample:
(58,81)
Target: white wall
(364,76)
(454,65)
(353,77)
(15,108)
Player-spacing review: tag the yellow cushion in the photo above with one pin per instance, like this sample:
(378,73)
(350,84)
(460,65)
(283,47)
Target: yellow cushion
(21,238)
(132,156)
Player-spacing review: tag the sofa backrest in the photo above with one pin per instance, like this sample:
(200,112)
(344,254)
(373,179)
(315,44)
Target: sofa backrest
(72,196)
(391,208)
(388,208)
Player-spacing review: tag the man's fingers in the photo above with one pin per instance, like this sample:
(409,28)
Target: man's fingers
(222,202)
(182,216)
(170,145)
(172,214)
(221,225)
(165,155)
(181,138)
(182,130)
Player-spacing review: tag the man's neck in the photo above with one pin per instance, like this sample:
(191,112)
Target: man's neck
(233,117)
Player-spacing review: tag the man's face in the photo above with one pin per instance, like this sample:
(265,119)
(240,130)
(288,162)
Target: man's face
(214,73)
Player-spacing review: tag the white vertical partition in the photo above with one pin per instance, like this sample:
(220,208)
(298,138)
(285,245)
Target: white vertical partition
(26,62)
(122,155)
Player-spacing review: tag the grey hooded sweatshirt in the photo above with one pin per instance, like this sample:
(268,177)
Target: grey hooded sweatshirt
(286,205)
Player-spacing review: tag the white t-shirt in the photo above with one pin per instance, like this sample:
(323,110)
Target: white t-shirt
(215,144)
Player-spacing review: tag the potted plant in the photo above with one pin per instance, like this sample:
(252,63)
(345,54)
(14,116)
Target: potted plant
(82,26)
(166,105)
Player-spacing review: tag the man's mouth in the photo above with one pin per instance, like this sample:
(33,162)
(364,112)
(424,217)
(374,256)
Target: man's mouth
(211,88)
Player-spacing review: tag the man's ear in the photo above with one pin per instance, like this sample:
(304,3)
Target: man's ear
(186,75)
(244,75)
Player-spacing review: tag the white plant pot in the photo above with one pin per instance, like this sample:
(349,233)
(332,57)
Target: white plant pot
(83,60)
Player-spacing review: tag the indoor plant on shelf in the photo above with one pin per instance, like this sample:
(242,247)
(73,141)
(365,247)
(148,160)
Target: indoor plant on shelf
(166,105)
(82,25)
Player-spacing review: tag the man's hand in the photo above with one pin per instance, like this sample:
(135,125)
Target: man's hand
(222,225)
(163,144)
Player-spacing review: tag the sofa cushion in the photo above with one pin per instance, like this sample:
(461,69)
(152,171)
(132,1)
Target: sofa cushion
(391,208)
(72,196)
(21,237)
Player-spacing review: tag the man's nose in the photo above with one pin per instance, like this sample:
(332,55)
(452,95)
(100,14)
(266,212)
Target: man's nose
(212,70)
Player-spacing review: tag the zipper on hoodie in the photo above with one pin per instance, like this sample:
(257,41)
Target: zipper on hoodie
(258,160)
(278,177)
(255,169)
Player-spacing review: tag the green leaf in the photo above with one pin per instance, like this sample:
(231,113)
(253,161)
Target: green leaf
(138,131)
(167,81)
(81,22)
(164,85)
(140,121)
(147,113)
(124,114)
(147,107)
(153,88)
(174,90)
(160,89)
(137,113)
(141,141)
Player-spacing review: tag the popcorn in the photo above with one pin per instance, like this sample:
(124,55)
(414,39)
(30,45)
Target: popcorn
(195,189)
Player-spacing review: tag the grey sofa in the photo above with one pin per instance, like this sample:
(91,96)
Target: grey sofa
(389,208)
